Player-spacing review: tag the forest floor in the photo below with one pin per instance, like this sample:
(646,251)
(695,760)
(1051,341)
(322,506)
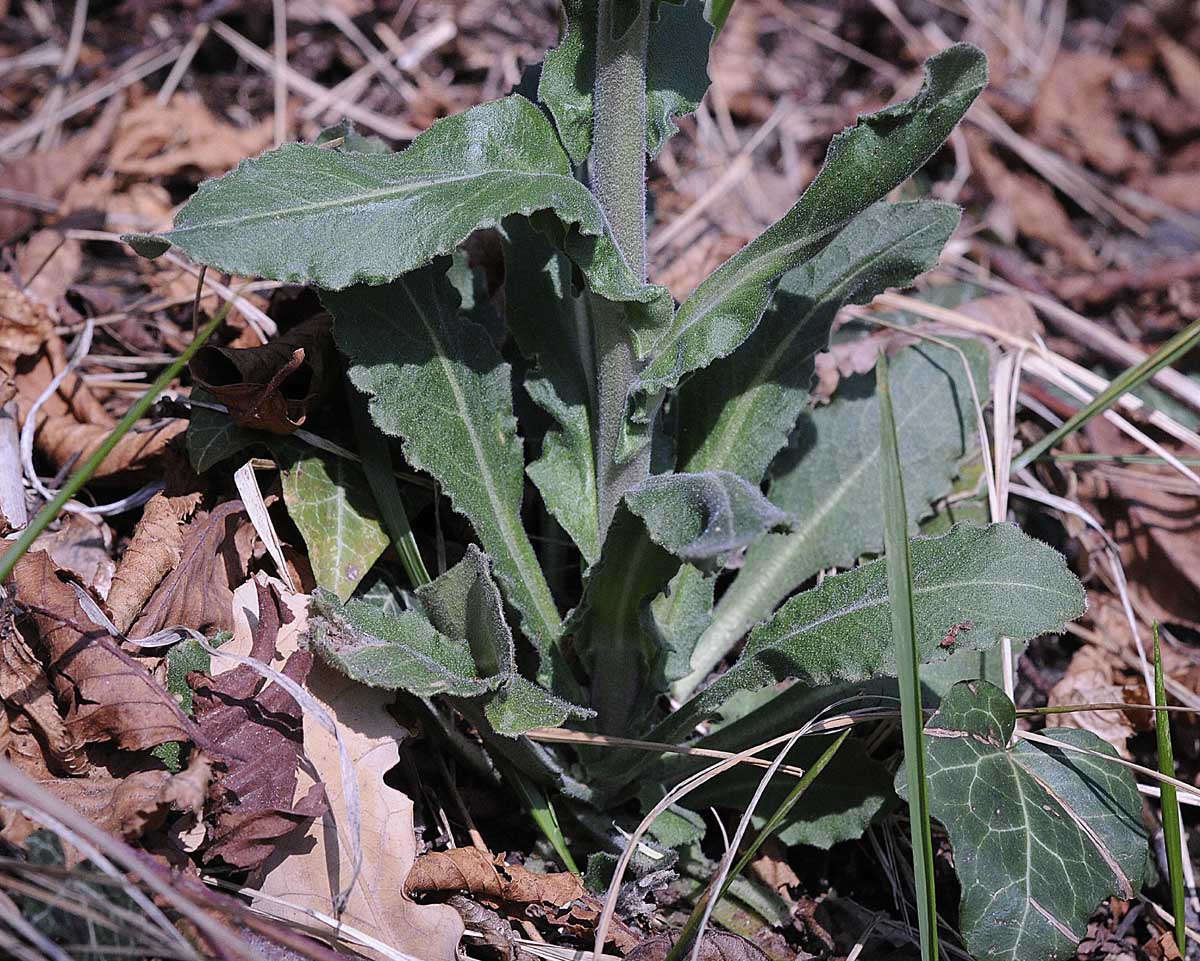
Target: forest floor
(1079,175)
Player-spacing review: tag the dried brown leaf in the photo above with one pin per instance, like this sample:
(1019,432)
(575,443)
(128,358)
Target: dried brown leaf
(1090,679)
(81,545)
(198,591)
(156,140)
(259,725)
(153,552)
(108,695)
(714,946)
(272,387)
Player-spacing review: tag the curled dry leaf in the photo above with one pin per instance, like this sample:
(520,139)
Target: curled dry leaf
(259,726)
(155,140)
(32,714)
(307,870)
(81,545)
(198,591)
(153,552)
(272,387)
(471,871)
(1090,679)
(108,695)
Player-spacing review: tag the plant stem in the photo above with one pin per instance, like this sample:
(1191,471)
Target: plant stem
(1172,828)
(618,173)
(135,413)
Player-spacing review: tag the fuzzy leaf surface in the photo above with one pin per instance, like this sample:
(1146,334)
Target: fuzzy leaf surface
(461,647)
(703,518)
(1041,835)
(863,164)
(331,504)
(551,327)
(997,579)
(829,479)
(737,413)
(676,73)
(437,381)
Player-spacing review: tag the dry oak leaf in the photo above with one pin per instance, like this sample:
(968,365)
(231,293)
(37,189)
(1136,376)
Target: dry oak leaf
(258,724)
(198,591)
(308,871)
(1090,679)
(272,387)
(107,694)
(154,140)
(153,552)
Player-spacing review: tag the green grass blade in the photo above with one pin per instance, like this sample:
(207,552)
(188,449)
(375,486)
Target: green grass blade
(1133,378)
(900,596)
(377,465)
(541,809)
(774,822)
(135,413)
(1172,835)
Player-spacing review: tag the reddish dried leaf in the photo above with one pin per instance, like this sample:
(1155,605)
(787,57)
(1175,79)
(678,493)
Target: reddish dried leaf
(25,692)
(471,871)
(272,387)
(109,695)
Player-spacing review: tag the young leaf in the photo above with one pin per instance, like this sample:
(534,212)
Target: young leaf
(989,582)
(828,483)
(863,164)
(737,413)
(463,648)
(330,502)
(1041,836)
(551,326)
(676,73)
(438,382)
(703,518)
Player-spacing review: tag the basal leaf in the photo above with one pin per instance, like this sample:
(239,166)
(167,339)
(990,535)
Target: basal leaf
(333,218)
(829,482)
(437,381)
(989,582)
(461,647)
(1041,835)
(737,413)
(551,326)
(676,73)
(330,502)
(703,518)
(863,164)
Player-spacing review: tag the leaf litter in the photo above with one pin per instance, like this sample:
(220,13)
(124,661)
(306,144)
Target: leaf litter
(82,711)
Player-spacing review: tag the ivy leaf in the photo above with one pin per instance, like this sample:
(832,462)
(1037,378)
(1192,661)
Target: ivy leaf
(550,325)
(703,518)
(461,647)
(213,437)
(828,480)
(989,582)
(676,73)
(737,413)
(1041,835)
(330,502)
(437,381)
(863,164)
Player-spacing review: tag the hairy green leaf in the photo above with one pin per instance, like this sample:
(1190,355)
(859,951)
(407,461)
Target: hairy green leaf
(330,502)
(863,164)
(461,647)
(737,413)
(703,518)
(1041,835)
(989,582)
(829,482)
(551,326)
(338,217)
(676,73)
(437,381)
